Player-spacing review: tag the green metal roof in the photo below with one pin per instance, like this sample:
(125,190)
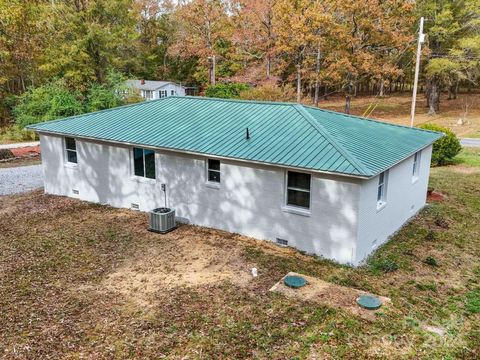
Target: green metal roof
(284,134)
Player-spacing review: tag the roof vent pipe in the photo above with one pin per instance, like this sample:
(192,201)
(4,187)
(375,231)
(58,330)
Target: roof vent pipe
(247,135)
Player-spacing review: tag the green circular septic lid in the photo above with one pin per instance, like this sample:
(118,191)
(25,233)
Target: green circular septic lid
(369,302)
(294,281)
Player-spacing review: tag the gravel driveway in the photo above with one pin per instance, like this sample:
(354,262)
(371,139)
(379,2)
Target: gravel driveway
(20,179)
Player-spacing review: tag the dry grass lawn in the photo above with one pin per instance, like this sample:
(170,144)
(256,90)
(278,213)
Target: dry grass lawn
(396,109)
(80,280)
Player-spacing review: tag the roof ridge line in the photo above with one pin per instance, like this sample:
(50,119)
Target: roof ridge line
(370,119)
(358,165)
(264,102)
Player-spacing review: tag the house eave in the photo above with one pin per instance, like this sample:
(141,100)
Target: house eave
(174,150)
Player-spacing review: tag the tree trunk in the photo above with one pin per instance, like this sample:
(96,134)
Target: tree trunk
(455,91)
(348,97)
(382,88)
(269,66)
(212,70)
(427,92)
(434,97)
(317,78)
(299,84)
(347,104)
(450,90)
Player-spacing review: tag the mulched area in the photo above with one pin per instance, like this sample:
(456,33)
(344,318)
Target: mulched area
(435,196)
(25,151)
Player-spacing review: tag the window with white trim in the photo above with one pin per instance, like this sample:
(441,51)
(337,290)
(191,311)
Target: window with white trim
(148,94)
(144,163)
(298,189)
(162,93)
(416,166)
(71,150)
(173,92)
(382,189)
(213,171)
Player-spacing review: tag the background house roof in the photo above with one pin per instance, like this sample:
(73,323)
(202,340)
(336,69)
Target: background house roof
(149,84)
(284,134)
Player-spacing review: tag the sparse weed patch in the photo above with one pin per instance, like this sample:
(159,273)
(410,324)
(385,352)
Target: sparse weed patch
(472,301)
(430,260)
(383,266)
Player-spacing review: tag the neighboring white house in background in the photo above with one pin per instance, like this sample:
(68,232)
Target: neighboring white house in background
(327,183)
(151,90)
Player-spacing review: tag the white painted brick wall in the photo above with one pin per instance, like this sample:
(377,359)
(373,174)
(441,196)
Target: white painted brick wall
(250,200)
(404,200)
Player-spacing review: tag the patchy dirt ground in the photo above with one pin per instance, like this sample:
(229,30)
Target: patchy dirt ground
(80,280)
(190,257)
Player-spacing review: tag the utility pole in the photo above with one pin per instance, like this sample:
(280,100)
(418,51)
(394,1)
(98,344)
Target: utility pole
(421,40)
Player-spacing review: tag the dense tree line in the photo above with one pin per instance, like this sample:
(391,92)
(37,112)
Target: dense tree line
(304,49)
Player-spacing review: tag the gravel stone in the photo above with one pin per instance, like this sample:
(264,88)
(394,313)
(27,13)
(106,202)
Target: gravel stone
(20,179)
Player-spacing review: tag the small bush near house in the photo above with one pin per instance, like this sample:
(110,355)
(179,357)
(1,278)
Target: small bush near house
(5,154)
(446,148)
(226,91)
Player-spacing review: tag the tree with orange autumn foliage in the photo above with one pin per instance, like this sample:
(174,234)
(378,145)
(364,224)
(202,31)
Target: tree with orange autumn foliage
(201,26)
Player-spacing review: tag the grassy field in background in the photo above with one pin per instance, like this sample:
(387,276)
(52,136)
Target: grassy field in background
(396,108)
(85,280)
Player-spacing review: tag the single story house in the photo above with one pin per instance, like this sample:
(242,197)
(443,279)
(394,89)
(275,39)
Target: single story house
(151,90)
(327,183)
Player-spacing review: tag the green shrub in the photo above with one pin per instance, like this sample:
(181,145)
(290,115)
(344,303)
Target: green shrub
(14,133)
(430,260)
(383,265)
(269,93)
(47,102)
(226,91)
(445,148)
